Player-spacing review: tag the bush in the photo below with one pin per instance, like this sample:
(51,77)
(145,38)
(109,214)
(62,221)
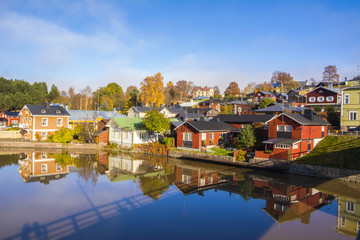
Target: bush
(268,151)
(168,141)
(240,157)
(317,108)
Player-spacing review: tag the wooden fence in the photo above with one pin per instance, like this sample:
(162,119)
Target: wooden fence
(10,134)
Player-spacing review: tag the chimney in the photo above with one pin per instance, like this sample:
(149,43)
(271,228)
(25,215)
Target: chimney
(46,105)
(198,112)
(330,86)
(202,119)
(154,105)
(66,107)
(308,113)
(114,110)
(161,106)
(345,79)
(218,119)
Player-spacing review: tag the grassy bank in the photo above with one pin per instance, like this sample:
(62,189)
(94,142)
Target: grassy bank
(335,151)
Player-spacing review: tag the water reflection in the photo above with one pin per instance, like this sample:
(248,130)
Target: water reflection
(123,185)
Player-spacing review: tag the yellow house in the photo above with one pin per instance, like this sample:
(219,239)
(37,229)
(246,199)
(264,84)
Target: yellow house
(348,219)
(350,108)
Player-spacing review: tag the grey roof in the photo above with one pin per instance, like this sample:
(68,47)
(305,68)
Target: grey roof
(186,115)
(278,108)
(267,93)
(316,121)
(177,124)
(47,110)
(12,114)
(175,110)
(221,101)
(198,110)
(239,102)
(245,118)
(140,109)
(281,140)
(207,126)
(92,114)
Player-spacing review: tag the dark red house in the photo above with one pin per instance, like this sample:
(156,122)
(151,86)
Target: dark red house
(263,94)
(322,96)
(197,134)
(292,135)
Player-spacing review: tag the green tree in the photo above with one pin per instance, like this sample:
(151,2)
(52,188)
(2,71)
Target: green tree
(247,137)
(155,121)
(63,135)
(54,93)
(266,101)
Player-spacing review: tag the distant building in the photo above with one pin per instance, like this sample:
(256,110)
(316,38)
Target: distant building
(9,118)
(206,92)
(322,96)
(350,108)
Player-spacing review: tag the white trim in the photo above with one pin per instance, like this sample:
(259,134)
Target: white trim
(57,123)
(356,117)
(42,122)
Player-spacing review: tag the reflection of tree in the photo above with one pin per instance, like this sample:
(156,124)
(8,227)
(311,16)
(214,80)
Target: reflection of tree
(154,186)
(84,162)
(8,160)
(246,189)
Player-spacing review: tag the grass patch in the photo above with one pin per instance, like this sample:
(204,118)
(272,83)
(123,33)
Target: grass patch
(220,151)
(335,151)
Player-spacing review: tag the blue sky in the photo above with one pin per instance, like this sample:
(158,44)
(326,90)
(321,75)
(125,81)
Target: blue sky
(80,43)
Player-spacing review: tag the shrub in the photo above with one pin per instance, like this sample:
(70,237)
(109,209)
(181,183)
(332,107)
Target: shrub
(168,141)
(240,156)
(268,151)
(211,142)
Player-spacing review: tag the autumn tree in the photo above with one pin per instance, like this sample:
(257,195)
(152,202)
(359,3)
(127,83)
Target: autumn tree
(266,101)
(169,93)
(132,100)
(265,86)
(129,91)
(152,90)
(217,93)
(109,97)
(183,90)
(285,80)
(250,88)
(330,74)
(232,90)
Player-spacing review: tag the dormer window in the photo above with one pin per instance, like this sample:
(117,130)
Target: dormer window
(320,91)
(58,111)
(43,111)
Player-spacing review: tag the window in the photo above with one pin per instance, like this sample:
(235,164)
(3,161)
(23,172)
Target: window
(320,99)
(186,179)
(58,111)
(282,146)
(44,122)
(311,99)
(43,111)
(187,136)
(329,98)
(295,146)
(320,91)
(350,207)
(210,180)
(211,136)
(44,135)
(353,115)
(43,155)
(43,168)
(346,99)
(280,128)
(141,135)
(288,128)
(58,167)
(59,122)
(126,135)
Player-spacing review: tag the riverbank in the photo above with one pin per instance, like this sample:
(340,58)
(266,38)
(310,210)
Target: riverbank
(50,145)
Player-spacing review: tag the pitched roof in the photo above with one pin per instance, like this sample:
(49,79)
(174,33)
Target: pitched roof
(128,123)
(47,109)
(12,114)
(140,109)
(221,101)
(92,115)
(278,108)
(316,121)
(199,110)
(239,102)
(186,115)
(245,118)
(325,88)
(213,126)
(175,110)
(267,93)
(206,88)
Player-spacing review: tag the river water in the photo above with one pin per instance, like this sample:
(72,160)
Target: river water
(47,195)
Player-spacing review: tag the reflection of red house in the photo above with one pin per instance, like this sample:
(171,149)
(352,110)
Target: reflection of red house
(197,134)
(292,135)
(9,118)
(286,203)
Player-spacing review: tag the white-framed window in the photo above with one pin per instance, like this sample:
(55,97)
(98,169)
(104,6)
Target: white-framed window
(186,179)
(44,168)
(295,146)
(329,98)
(320,99)
(44,122)
(284,128)
(288,128)
(350,207)
(59,122)
(126,135)
(202,182)
(44,135)
(43,155)
(347,99)
(282,146)
(353,115)
(211,136)
(311,99)
(58,167)
(320,91)
(141,135)
(187,136)
(210,180)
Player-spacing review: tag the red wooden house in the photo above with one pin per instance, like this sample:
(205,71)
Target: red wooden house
(197,134)
(9,118)
(212,103)
(263,94)
(322,96)
(292,135)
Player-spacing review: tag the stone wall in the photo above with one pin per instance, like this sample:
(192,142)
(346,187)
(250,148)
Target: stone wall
(325,172)
(200,155)
(33,144)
